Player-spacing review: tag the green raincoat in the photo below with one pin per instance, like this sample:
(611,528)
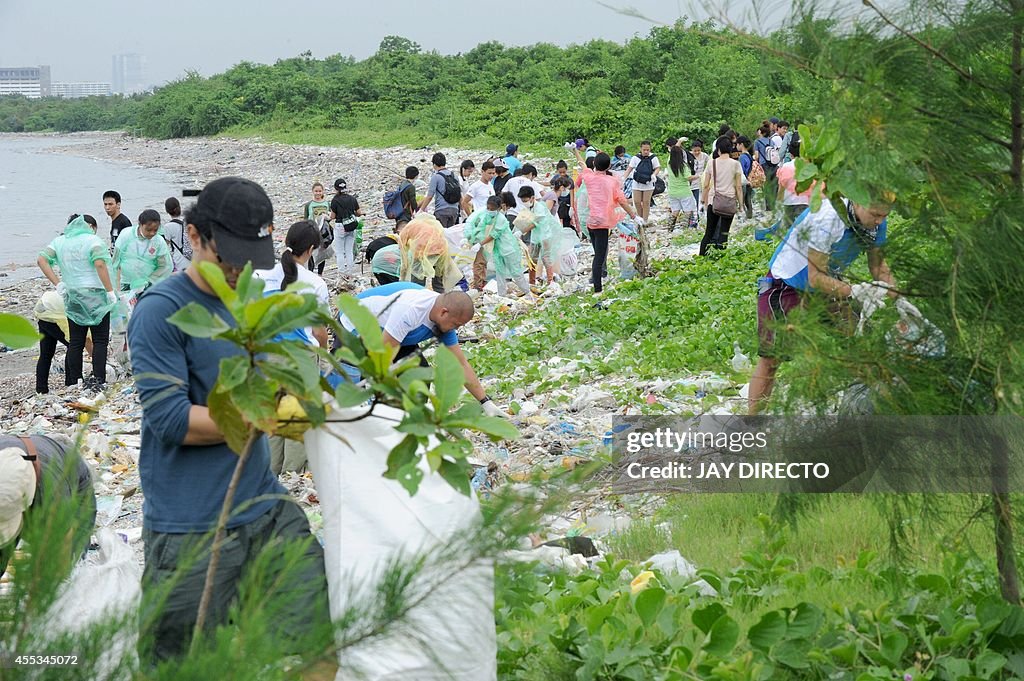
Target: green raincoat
(546,234)
(506,251)
(75,254)
(141,262)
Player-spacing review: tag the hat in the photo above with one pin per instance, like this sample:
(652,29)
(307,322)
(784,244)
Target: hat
(17,490)
(774,120)
(340,184)
(242,219)
(512,148)
(498,163)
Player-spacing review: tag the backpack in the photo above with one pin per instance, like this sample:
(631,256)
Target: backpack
(771,153)
(452,189)
(756,177)
(564,209)
(326,233)
(644,170)
(393,205)
(185,247)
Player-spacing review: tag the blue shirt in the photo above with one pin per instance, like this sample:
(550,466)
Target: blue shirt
(184,485)
(746,164)
(513,164)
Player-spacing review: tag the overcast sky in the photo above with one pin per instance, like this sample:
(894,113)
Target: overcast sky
(77,39)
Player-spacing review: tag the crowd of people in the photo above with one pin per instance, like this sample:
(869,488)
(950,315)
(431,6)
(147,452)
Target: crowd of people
(510,220)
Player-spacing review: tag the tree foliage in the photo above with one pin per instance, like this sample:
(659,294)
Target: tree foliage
(686,78)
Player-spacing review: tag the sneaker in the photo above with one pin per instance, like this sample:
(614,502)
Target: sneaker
(93,383)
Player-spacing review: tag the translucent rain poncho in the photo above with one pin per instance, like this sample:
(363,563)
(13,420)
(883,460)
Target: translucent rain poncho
(141,262)
(506,251)
(547,232)
(583,205)
(424,254)
(75,254)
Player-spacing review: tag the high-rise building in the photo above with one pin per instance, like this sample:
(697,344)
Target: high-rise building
(76,90)
(128,74)
(31,81)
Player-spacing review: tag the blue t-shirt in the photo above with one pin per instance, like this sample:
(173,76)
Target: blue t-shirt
(184,485)
(513,164)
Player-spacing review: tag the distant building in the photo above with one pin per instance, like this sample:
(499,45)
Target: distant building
(31,81)
(76,90)
(128,75)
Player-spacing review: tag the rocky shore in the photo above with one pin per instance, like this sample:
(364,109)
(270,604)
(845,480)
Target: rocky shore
(551,437)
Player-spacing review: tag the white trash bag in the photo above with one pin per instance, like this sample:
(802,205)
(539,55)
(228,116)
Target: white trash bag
(569,261)
(368,522)
(107,583)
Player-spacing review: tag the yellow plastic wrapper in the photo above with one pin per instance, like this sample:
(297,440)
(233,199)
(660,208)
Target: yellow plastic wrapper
(292,421)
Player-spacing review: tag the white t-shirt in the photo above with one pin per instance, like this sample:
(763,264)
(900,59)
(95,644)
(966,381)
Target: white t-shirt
(698,169)
(825,232)
(518,182)
(643,186)
(318,287)
(478,193)
(403,311)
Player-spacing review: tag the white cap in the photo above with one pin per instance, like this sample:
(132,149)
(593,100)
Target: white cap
(17,490)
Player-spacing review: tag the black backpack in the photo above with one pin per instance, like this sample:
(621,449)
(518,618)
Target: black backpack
(564,209)
(452,189)
(644,170)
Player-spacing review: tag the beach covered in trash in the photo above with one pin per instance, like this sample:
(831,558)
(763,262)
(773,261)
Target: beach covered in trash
(562,399)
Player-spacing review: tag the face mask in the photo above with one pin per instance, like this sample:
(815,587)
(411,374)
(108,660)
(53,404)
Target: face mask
(527,205)
(492,213)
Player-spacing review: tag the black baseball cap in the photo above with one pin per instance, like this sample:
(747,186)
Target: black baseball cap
(242,218)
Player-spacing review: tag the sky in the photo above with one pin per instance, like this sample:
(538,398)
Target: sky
(77,39)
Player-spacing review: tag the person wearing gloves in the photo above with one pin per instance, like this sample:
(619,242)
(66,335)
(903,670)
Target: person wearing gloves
(184,462)
(140,258)
(818,248)
(536,220)
(605,198)
(410,314)
(37,473)
(84,284)
(490,229)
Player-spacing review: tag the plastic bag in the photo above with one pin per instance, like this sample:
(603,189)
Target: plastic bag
(106,584)
(369,521)
(569,260)
(463,257)
(629,246)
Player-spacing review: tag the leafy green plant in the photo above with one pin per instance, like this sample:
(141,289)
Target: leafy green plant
(596,625)
(16,331)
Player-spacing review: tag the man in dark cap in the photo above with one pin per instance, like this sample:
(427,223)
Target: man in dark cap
(184,462)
